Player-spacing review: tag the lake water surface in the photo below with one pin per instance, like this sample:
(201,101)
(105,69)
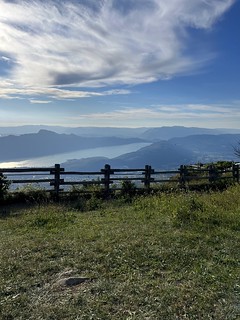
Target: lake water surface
(47,161)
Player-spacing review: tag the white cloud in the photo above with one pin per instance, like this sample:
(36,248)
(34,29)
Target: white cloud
(9,91)
(108,42)
(197,108)
(191,114)
(3,58)
(39,101)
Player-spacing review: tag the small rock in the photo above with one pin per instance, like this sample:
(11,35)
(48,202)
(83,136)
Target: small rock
(72,281)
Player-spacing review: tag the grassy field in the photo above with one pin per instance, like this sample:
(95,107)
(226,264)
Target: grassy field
(167,256)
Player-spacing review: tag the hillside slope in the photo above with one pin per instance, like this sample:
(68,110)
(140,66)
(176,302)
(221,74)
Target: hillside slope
(216,147)
(169,154)
(160,155)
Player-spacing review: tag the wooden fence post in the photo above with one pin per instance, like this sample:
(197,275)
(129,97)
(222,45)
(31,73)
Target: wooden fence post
(182,176)
(57,180)
(212,174)
(1,184)
(235,172)
(106,179)
(147,178)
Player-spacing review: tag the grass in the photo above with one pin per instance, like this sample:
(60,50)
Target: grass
(167,256)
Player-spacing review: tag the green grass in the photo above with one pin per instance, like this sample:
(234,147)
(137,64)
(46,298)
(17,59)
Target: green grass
(167,256)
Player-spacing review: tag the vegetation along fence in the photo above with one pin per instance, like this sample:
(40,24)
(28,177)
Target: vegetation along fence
(109,179)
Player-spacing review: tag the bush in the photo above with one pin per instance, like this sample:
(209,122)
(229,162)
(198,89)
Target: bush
(128,188)
(4,186)
(30,194)
(88,203)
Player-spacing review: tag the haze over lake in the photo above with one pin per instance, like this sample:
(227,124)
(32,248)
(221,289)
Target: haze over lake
(110,152)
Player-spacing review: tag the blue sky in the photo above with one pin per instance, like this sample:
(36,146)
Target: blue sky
(124,63)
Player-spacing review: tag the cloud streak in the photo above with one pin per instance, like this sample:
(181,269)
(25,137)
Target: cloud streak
(10,91)
(40,101)
(188,114)
(52,44)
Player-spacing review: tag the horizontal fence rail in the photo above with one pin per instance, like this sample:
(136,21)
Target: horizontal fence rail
(109,179)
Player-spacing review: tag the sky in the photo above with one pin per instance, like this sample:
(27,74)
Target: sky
(120,63)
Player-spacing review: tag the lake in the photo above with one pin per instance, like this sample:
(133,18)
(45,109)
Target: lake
(47,161)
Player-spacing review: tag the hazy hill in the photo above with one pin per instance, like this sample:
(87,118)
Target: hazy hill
(211,147)
(80,131)
(19,130)
(166,133)
(87,164)
(46,143)
(169,154)
(159,155)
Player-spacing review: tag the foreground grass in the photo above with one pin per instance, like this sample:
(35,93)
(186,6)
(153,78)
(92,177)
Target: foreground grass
(172,256)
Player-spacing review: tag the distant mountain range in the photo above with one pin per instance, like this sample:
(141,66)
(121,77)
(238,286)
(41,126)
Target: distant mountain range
(80,131)
(161,154)
(209,147)
(150,134)
(170,146)
(166,133)
(46,142)
(168,154)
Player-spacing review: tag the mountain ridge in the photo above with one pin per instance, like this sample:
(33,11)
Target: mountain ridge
(47,142)
(168,154)
(149,133)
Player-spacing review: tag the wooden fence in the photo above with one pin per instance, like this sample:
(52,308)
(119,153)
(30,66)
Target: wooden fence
(110,179)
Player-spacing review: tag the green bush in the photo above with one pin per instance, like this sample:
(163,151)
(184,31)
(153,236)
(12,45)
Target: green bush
(87,203)
(128,188)
(30,194)
(4,186)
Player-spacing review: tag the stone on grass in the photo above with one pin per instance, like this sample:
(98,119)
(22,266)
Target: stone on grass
(72,281)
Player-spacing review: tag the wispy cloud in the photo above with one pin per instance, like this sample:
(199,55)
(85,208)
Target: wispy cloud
(11,91)
(191,114)
(197,109)
(3,58)
(40,101)
(51,44)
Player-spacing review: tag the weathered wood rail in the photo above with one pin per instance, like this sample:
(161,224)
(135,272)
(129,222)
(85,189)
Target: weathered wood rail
(110,178)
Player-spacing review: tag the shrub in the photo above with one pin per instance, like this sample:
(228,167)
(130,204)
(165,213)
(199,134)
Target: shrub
(4,186)
(30,194)
(88,204)
(128,188)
